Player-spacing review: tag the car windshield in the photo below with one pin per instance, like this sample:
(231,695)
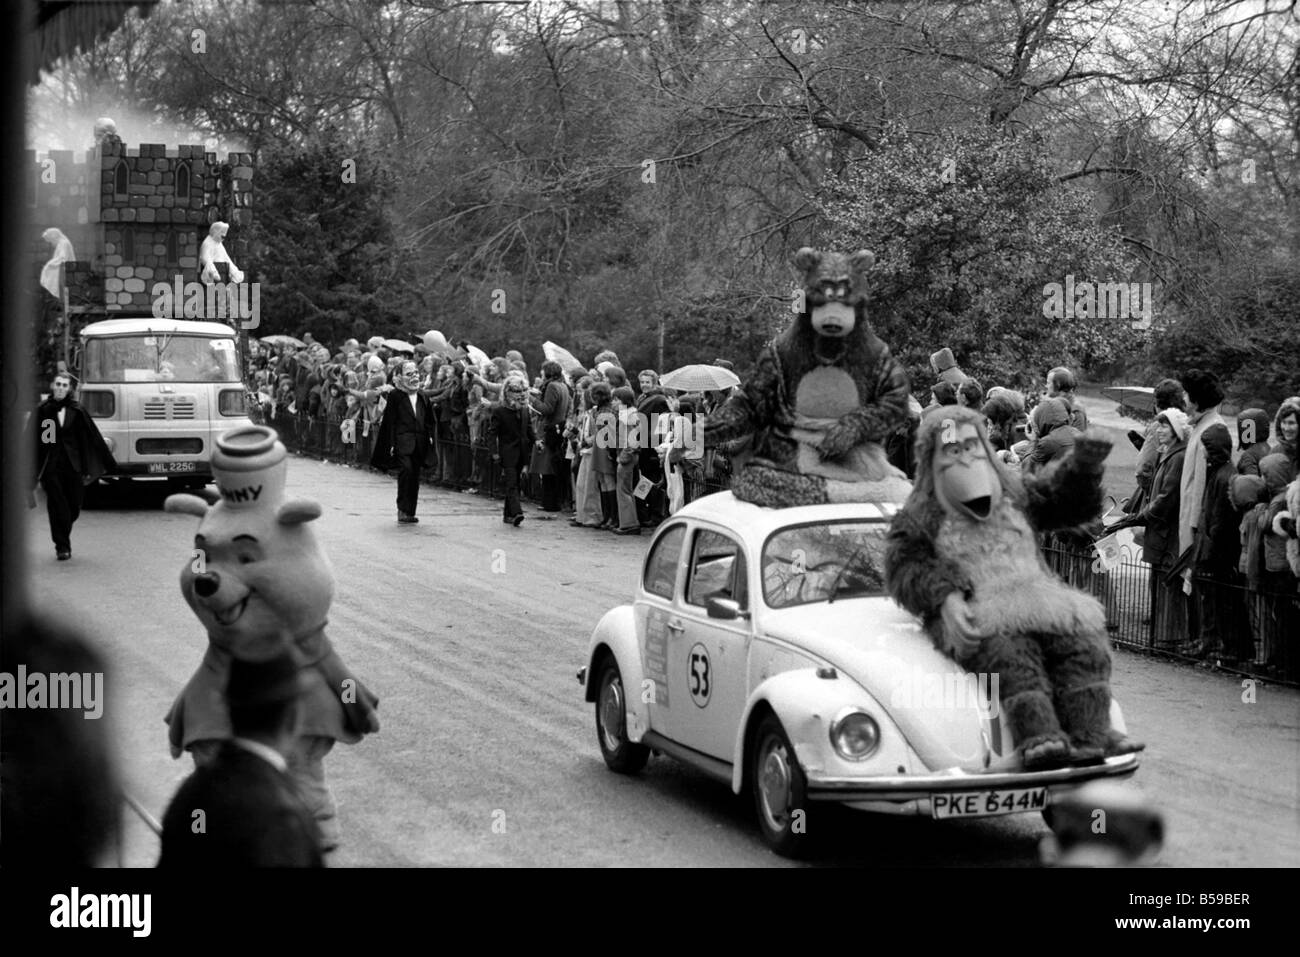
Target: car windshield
(160,358)
(824,561)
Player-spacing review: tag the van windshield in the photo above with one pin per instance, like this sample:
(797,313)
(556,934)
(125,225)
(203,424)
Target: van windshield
(160,358)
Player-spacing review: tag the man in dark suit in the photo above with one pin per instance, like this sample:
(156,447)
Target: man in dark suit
(406,439)
(243,809)
(510,432)
(70,454)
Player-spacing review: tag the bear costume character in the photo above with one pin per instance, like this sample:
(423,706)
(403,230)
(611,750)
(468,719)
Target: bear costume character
(963,555)
(260,583)
(823,398)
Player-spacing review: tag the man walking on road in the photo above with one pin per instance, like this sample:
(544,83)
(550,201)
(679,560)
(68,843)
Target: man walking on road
(70,454)
(406,439)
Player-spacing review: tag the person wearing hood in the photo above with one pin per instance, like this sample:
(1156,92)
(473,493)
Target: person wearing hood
(1252,436)
(1054,436)
(1280,584)
(1249,497)
(1061,385)
(1284,432)
(1168,395)
(1160,519)
(1218,547)
(1203,398)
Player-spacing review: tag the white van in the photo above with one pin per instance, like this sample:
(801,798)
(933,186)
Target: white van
(161,392)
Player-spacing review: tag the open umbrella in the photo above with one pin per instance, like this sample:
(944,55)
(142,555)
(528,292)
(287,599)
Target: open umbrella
(279,340)
(1140,397)
(699,378)
(397,345)
(568,362)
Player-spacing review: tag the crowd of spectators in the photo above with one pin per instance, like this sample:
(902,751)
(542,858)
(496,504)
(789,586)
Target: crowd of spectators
(590,457)
(1206,506)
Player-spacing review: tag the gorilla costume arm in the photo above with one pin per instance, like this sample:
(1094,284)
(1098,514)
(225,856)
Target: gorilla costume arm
(917,576)
(1068,492)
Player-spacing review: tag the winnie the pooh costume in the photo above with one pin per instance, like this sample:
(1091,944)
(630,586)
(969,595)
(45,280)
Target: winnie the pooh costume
(259,582)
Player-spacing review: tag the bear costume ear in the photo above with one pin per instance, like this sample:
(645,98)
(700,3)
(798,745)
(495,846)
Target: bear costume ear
(806,260)
(862,260)
(298,510)
(186,505)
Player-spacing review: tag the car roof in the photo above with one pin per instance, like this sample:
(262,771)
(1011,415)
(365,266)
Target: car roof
(138,324)
(755,522)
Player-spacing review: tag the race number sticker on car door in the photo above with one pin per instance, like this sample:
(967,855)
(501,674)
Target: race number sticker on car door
(700,675)
(654,657)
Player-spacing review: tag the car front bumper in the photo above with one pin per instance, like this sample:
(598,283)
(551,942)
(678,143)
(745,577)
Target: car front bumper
(898,789)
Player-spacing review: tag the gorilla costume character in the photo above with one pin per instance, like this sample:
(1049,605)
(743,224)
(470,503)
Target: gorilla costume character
(963,555)
(824,396)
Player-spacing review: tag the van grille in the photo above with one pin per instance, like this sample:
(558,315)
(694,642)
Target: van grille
(169,446)
(170,407)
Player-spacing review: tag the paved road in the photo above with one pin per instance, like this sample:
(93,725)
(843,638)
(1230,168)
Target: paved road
(483,719)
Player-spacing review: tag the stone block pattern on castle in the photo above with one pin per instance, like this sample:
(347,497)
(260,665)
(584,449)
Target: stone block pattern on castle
(136,215)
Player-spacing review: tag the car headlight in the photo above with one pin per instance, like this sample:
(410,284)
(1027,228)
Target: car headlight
(854,734)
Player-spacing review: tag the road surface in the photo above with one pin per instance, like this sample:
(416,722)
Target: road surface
(471,632)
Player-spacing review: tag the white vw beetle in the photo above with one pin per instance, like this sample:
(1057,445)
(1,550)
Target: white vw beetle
(762,648)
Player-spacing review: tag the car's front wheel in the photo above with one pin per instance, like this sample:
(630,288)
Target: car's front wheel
(619,753)
(780,790)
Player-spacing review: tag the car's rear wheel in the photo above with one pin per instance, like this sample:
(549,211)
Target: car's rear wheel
(780,790)
(619,753)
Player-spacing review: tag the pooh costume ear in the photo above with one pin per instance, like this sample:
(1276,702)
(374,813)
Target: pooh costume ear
(186,505)
(862,260)
(298,510)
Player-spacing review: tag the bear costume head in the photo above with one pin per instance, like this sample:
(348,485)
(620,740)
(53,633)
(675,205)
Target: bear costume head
(257,579)
(835,297)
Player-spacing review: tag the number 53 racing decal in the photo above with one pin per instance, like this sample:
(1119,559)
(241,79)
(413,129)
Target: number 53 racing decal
(700,675)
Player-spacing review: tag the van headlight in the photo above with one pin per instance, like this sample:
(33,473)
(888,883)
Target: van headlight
(854,734)
(232,402)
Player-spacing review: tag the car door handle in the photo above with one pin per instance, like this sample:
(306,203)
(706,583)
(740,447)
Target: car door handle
(675,624)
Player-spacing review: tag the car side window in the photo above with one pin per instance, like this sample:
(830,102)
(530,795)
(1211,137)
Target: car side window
(717,570)
(661,567)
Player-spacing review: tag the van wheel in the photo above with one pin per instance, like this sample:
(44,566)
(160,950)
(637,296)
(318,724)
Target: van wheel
(780,790)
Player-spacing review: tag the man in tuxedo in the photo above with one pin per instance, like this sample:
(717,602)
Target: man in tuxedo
(510,431)
(70,454)
(243,809)
(406,439)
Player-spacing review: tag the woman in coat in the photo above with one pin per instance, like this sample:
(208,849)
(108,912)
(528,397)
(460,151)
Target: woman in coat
(1160,518)
(588,512)
(604,451)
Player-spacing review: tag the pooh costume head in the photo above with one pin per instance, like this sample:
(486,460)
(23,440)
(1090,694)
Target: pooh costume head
(261,585)
(258,576)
